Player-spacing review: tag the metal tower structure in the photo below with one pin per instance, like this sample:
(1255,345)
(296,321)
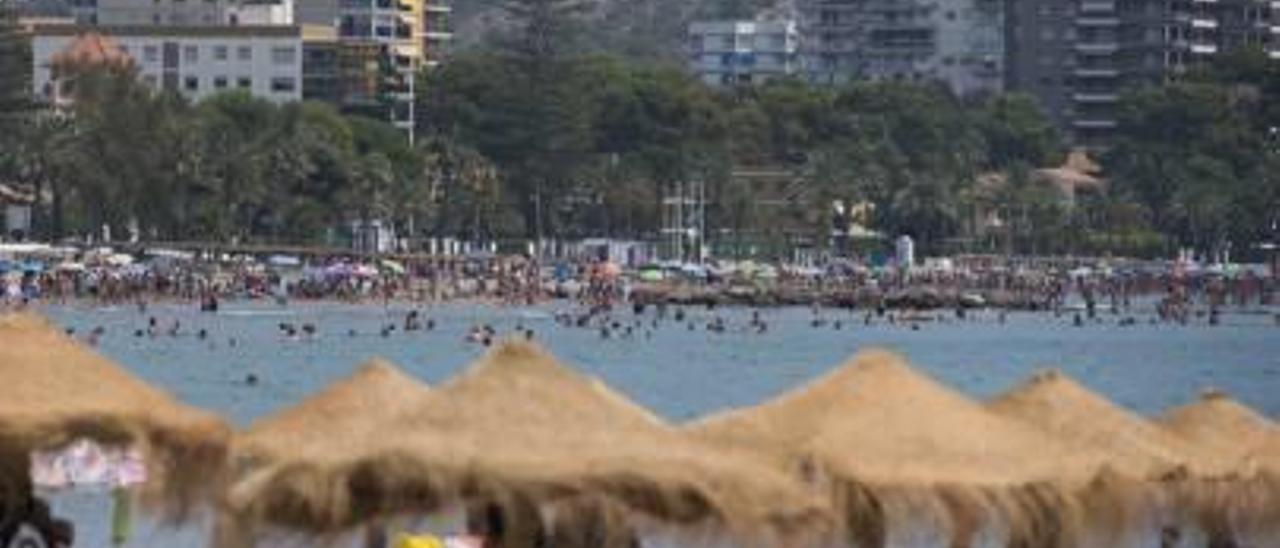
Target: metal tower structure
(684,221)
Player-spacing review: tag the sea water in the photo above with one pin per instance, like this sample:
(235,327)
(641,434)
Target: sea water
(678,372)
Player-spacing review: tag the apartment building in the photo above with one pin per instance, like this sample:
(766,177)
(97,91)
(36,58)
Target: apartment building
(148,12)
(193,61)
(378,43)
(729,53)
(956,42)
(1077,57)
(437,31)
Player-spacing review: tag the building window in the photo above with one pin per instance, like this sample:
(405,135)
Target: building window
(283,85)
(244,82)
(244,53)
(150,54)
(220,53)
(284,55)
(190,54)
(191,83)
(150,80)
(219,82)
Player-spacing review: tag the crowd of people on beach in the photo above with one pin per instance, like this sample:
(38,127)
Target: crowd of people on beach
(596,294)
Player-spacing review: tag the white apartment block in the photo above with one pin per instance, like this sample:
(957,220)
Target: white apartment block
(194,61)
(726,53)
(182,12)
(956,42)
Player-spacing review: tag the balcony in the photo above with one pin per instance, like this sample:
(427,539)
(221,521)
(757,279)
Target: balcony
(1204,23)
(1204,49)
(1098,6)
(1094,124)
(1104,22)
(1099,48)
(1095,97)
(1089,73)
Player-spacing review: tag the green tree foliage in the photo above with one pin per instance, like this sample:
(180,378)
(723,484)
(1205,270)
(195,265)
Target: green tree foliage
(232,167)
(539,138)
(1194,158)
(15,65)
(14,90)
(1017,134)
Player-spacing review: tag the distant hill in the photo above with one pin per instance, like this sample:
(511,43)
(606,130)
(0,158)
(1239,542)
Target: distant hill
(651,29)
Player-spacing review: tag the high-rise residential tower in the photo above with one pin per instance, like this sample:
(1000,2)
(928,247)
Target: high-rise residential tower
(1078,56)
(956,42)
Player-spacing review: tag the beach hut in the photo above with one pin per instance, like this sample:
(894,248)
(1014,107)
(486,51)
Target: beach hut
(57,392)
(903,454)
(527,446)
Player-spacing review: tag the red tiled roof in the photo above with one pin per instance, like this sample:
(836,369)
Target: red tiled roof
(92,48)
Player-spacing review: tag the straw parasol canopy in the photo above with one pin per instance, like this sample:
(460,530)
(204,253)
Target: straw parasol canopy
(1218,423)
(1145,464)
(57,391)
(316,448)
(1067,411)
(1247,503)
(324,423)
(889,437)
(513,435)
(880,420)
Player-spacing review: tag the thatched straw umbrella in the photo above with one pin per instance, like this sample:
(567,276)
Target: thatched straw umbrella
(1132,497)
(518,436)
(1065,410)
(375,393)
(1220,424)
(57,391)
(316,447)
(1243,504)
(888,436)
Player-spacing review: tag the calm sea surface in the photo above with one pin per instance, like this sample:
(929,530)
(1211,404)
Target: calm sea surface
(677,372)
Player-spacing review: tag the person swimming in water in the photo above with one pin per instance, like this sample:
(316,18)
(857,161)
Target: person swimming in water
(411,322)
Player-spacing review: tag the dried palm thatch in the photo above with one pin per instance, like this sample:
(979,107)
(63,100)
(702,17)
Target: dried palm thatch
(1181,482)
(1241,504)
(57,391)
(1220,424)
(315,446)
(1067,411)
(515,434)
(591,522)
(897,444)
(375,393)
